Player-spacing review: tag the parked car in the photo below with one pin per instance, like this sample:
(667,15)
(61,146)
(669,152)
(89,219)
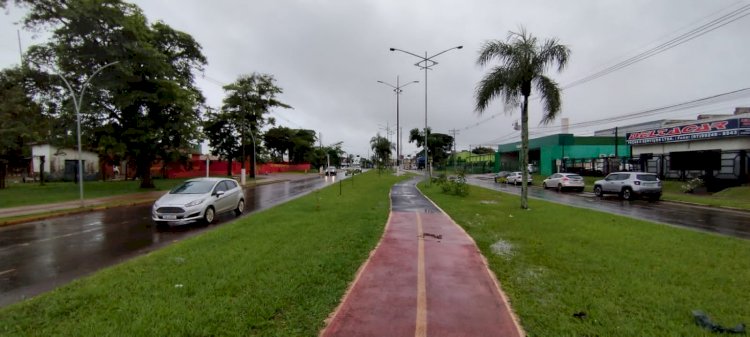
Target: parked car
(564,181)
(354,169)
(330,171)
(630,185)
(502,177)
(516,178)
(199,199)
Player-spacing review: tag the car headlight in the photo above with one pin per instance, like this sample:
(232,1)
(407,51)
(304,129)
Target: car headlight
(193,203)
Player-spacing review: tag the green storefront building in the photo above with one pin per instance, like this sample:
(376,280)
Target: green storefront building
(567,153)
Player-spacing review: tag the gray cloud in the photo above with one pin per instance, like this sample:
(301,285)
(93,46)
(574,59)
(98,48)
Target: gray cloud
(328,55)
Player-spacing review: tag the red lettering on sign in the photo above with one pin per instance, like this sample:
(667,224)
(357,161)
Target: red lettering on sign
(721,125)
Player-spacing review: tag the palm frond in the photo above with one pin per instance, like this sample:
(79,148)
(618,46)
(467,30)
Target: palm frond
(500,82)
(493,50)
(553,52)
(549,95)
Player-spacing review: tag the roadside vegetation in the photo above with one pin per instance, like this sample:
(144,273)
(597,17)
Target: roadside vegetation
(577,272)
(279,272)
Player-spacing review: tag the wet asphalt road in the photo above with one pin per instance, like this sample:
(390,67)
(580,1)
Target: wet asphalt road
(720,221)
(39,256)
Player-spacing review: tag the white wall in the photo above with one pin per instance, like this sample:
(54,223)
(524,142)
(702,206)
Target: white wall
(54,159)
(724,144)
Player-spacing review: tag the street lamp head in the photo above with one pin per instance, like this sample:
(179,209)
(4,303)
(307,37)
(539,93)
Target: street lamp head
(393,49)
(459,47)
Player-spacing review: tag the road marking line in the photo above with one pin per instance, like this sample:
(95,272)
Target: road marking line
(421,329)
(7,271)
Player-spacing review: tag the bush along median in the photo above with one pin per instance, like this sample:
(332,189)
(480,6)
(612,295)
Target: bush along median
(279,272)
(577,272)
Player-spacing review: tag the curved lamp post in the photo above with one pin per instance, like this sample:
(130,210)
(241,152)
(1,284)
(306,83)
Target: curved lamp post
(426,62)
(397,90)
(77,101)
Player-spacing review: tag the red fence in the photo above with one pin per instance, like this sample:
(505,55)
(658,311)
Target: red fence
(197,168)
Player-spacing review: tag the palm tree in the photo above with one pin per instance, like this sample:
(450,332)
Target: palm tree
(382,148)
(523,62)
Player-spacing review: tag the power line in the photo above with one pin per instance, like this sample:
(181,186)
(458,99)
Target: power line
(692,34)
(704,101)
(701,30)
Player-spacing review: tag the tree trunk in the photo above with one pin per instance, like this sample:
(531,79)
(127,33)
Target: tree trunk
(252,166)
(229,167)
(144,171)
(3,173)
(525,153)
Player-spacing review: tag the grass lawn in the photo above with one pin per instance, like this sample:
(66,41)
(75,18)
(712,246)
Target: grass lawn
(630,277)
(279,272)
(33,194)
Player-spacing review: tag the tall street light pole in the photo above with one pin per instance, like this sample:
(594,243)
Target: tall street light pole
(398,91)
(426,62)
(77,101)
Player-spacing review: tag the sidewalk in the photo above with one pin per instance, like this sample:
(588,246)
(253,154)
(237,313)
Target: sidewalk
(425,278)
(36,212)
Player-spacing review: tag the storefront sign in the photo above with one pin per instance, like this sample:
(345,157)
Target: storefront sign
(709,130)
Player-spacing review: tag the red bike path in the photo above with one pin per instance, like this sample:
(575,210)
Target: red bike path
(426,277)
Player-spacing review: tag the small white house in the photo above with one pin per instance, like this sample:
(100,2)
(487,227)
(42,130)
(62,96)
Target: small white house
(62,163)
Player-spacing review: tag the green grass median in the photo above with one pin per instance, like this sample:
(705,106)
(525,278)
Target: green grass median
(628,277)
(19,194)
(279,272)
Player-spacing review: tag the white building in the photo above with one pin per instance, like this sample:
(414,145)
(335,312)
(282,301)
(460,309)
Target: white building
(713,146)
(62,163)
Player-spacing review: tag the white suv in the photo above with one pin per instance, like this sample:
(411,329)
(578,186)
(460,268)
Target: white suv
(629,185)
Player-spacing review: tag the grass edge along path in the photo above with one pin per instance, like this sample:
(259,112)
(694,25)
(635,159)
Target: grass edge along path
(279,272)
(621,276)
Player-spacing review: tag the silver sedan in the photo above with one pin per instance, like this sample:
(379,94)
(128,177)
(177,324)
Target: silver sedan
(199,199)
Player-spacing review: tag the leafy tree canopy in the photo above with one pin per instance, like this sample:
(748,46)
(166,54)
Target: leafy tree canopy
(144,106)
(482,150)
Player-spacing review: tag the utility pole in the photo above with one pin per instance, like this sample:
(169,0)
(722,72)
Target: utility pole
(454,132)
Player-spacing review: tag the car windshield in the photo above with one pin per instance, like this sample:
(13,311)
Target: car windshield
(646,177)
(193,187)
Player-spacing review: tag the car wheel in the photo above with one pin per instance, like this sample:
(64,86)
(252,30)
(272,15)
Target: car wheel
(544,185)
(598,191)
(580,190)
(627,194)
(559,188)
(240,208)
(208,216)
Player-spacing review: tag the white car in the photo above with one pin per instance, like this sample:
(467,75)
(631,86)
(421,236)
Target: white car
(629,185)
(516,178)
(331,171)
(564,181)
(199,199)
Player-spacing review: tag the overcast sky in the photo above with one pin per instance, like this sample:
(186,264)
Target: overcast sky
(328,56)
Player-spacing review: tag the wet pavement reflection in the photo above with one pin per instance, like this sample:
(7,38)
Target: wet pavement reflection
(720,221)
(38,256)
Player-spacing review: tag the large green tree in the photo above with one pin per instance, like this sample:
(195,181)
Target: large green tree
(248,100)
(297,143)
(523,63)
(145,106)
(223,136)
(439,144)
(21,119)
